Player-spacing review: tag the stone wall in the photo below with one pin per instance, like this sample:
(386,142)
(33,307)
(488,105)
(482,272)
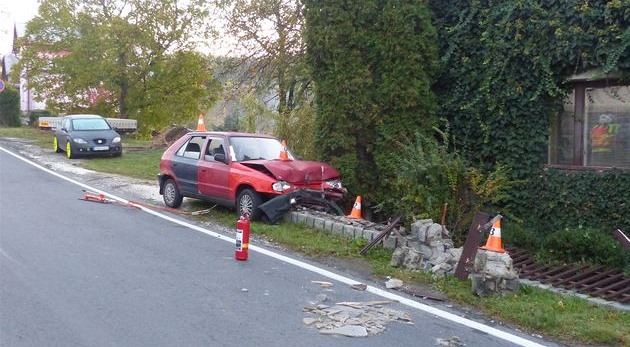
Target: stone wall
(427,246)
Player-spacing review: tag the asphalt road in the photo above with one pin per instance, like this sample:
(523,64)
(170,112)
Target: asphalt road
(76,273)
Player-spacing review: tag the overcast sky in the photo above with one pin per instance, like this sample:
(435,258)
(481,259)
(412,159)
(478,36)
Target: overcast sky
(14,11)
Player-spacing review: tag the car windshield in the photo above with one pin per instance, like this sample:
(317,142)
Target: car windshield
(253,148)
(90,124)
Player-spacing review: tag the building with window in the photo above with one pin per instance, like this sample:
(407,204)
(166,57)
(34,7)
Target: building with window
(593,131)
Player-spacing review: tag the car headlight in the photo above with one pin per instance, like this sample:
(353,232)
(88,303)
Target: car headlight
(281,186)
(335,184)
(116,139)
(81,141)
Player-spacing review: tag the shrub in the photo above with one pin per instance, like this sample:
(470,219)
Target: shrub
(10,107)
(585,245)
(429,175)
(555,200)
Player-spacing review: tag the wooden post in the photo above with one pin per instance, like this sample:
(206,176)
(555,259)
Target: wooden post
(469,251)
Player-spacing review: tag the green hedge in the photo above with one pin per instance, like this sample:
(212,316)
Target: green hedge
(557,199)
(10,107)
(585,245)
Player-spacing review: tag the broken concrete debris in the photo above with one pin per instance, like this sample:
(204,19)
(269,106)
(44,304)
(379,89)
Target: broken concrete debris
(359,286)
(429,248)
(347,330)
(393,283)
(356,319)
(493,273)
(453,341)
(353,318)
(324,284)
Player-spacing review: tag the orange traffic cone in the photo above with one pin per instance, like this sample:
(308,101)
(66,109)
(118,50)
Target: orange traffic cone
(494,239)
(284,154)
(200,125)
(356,209)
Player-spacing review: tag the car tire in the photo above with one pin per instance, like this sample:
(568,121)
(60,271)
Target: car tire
(56,145)
(247,204)
(172,197)
(69,153)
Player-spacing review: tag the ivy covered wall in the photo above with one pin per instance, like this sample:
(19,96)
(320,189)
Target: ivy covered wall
(503,77)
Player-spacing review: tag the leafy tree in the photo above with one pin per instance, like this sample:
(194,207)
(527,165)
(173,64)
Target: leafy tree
(372,62)
(269,41)
(10,107)
(118,57)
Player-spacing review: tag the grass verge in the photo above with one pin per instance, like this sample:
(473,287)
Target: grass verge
(569,319)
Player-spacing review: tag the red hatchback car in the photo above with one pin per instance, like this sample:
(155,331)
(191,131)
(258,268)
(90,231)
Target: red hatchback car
(238,170)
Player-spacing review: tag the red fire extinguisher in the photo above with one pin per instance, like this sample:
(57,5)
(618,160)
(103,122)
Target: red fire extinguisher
(242,238)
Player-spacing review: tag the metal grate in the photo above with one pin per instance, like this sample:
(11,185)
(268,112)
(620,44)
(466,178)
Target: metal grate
(599,281)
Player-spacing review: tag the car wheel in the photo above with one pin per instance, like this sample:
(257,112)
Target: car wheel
(69,153)
(56,145)
(247,204)
(172,197)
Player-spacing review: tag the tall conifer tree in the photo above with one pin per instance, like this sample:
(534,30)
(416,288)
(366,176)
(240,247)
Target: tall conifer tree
(372,63)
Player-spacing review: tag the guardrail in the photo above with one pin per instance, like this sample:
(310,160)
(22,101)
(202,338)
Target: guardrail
(119,124)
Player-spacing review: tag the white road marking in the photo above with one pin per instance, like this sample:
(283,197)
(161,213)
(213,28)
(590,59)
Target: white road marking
(6,255)
(385,294)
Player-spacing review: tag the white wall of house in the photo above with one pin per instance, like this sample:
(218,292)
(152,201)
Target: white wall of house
(27,96)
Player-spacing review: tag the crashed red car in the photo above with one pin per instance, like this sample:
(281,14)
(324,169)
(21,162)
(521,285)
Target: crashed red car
(239,170)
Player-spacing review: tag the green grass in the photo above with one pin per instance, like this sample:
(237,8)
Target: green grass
(567,318)
(534,310)
(42,138)
(143,164)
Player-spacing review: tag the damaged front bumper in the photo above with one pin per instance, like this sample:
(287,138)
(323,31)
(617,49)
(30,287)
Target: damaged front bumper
(277,207)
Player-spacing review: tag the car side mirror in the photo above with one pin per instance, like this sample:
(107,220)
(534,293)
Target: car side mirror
(220,157)
(64,129)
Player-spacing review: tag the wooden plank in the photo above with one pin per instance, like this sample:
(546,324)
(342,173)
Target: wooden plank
(469,252)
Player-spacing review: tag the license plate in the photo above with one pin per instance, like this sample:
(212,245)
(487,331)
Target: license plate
(101,148)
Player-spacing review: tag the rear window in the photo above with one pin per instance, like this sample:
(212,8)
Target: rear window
(192,148)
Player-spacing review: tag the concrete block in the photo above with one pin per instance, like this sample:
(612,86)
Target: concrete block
(318,223)
(328,225)
(301,218)
(349,231)
(337,229)
(310,221)
(390,242)
(368,234)
(419,229)
(289,217)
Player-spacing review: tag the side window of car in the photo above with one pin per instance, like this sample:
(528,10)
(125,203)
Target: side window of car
(215,146)
(192,148)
